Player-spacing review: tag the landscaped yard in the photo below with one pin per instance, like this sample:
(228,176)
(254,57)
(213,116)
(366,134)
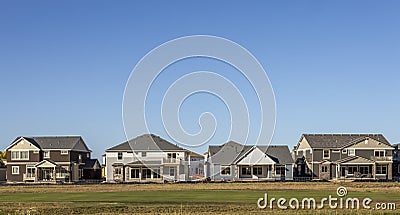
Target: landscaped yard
(215,198)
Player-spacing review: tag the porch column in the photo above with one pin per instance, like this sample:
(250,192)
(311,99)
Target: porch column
(338,173)
(374,171)
(273,171)
(162,172)
(177,173)
(389,171)
(54,174)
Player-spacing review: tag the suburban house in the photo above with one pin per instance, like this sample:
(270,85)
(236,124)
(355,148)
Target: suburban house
(396,161)
(149,158)
(3,171)
(343,156)
(236,162)
(50,159)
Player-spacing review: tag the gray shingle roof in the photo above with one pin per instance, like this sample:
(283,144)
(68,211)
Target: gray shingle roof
(146,142)
(339,140)
(90,163)
(54,142)
(232,152)
(279,154)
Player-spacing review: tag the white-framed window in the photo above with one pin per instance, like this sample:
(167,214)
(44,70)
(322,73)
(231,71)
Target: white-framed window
(364,169)
(352,170)
(225,170)
(88,155)
(246,170)
(156,173)
(24,155)
(144,154)
(379,153)
(118,170)
(135,173)
(15,170)
(19,155)
(344,151)
(46,154)
(257,170)
(280,170)
(336,151)
(172,171)
(351,152)
(64,152)
(119,156)
(326,154)
(324,169)
(381,169)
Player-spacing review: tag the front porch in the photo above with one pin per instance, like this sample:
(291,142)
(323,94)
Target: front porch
(261,172)
(46,171)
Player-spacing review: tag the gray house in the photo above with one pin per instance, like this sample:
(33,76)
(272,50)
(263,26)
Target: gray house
(233,161)
(149,158)
(343,156)
(49,159)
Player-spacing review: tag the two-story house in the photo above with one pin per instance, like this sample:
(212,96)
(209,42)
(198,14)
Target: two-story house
(343,156)
(237,162)
(148,158)
(49,159)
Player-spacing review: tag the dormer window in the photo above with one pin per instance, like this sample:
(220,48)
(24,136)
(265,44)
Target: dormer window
(351,152)
(46,154)
(119,155)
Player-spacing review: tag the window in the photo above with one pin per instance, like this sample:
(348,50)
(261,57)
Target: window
(172,171)
(146,173)
(144,154)
(80,157)
(64,152)
(119,155)
(324,169)
(246,170)
(118,171)
(352,170)
(88,155)
(257,170)
(344,151)
(46,154)
(135,173)
(379,153)
(24,155)
(225,170)
(280,170)
(15,170)
(156,173)
(364,169)
(20,155)
(36,152)
(381,169)
(326,154)
(351,152)
(336,151)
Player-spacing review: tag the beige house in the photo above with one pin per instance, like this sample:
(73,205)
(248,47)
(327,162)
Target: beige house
(344,156)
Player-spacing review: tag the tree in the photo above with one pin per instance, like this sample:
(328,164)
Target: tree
(3,155)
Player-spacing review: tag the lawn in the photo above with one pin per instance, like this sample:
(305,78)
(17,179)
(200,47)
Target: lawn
(214,198)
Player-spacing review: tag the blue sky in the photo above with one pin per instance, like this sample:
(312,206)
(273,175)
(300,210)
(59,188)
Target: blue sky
(334,65)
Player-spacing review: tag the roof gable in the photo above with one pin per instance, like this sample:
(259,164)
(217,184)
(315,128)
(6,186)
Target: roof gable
(339,140)
(368,143)
(146,142)
(256,157)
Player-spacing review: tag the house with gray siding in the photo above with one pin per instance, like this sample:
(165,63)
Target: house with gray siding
(343,156)
(149,158)
(236,162)
(49,159)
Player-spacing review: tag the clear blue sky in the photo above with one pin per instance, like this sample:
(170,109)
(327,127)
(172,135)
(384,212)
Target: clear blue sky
(334,65)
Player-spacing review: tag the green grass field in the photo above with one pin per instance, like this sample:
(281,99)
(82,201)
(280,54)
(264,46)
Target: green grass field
(214,198)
